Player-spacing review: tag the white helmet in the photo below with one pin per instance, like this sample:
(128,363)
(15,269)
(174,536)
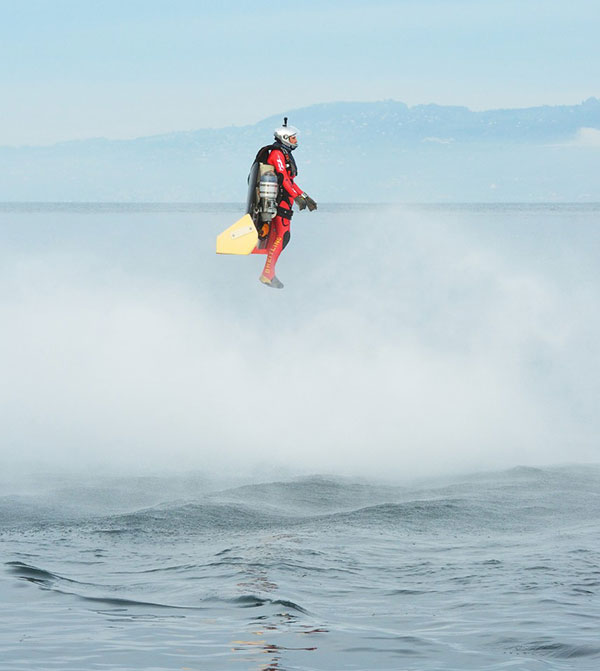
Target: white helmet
(287,135)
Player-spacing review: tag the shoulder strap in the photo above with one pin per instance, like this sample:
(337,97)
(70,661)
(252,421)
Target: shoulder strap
(263,153)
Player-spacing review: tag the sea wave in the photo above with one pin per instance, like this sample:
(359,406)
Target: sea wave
(192,517)
(515,499)
(558,650)
(97,593)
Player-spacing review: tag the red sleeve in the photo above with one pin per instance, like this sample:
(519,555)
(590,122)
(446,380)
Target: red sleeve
(277,160)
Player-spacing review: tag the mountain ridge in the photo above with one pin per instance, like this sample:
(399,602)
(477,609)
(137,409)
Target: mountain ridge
(382,150)
(590,105)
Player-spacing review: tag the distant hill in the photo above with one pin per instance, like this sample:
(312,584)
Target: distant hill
(382,151)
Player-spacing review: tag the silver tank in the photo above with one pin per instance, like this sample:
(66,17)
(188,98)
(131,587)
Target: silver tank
(268,188)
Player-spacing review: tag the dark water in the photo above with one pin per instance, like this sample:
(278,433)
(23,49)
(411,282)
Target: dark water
(491,571)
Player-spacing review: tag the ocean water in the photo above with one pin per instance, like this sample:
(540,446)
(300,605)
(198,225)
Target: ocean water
(391,464)
(490,571)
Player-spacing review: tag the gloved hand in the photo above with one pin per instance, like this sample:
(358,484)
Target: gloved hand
(306,201)
(301,201)
(310,203)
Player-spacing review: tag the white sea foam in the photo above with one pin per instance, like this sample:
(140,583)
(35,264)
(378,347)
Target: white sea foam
(405,342)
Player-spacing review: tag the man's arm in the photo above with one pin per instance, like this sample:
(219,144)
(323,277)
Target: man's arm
(277,160)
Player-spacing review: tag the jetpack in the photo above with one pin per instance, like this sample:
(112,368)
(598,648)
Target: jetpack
(249,234)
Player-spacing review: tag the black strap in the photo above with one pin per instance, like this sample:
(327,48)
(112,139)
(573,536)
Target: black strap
(263,155)
(284,213)
(263,152)
(292,163)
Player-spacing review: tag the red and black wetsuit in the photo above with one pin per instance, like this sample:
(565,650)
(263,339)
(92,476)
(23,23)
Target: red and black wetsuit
(279,235)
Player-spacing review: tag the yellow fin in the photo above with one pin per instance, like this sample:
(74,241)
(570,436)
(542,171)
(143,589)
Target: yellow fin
(241,238)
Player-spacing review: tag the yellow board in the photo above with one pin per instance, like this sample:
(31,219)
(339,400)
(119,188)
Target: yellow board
(241,238)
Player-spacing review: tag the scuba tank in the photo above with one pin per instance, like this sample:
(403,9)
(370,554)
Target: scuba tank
(263,193)
(268,190)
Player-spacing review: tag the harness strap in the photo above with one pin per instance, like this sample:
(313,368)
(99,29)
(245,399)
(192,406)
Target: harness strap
(284,213)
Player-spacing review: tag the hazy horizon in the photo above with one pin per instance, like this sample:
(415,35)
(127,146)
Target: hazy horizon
(277,114)
(385,152)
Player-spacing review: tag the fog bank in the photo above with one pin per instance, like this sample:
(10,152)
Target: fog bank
(405,343)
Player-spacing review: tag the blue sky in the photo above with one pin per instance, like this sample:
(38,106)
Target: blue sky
(129,68)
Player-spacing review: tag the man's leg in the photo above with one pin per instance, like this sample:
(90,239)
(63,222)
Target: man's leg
(278,239)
